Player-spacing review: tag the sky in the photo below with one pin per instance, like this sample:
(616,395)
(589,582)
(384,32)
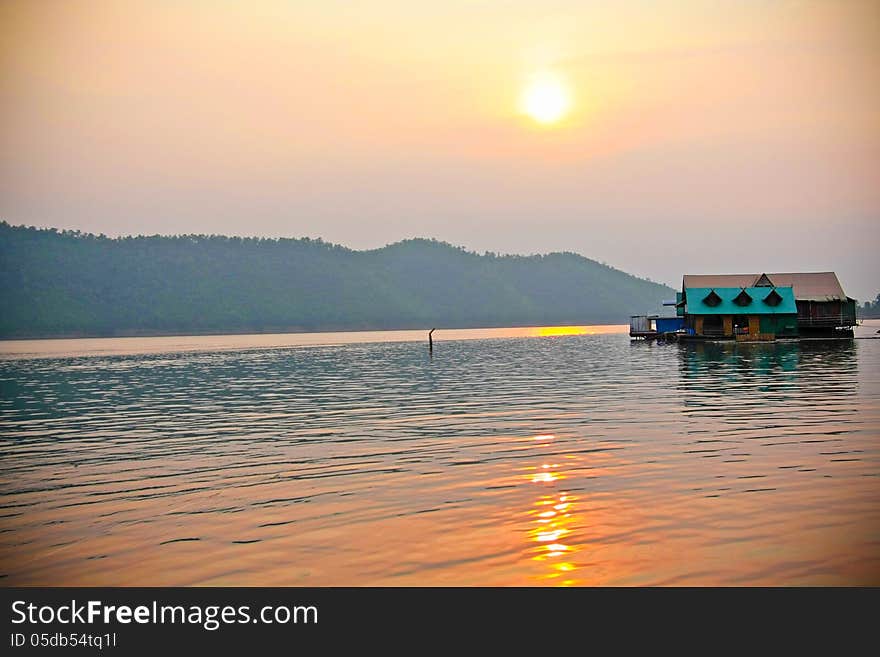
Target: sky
(700,135)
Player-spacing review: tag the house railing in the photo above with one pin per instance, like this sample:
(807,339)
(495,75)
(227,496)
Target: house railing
(842,319)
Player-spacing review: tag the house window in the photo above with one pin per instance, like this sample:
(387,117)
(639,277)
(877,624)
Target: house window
(773,299)
(743,299)
(712,299)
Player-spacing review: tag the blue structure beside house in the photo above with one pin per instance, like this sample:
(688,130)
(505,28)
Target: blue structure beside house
(668,324)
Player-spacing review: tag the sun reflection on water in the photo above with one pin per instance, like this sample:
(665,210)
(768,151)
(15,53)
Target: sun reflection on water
(554,519)
(552,331)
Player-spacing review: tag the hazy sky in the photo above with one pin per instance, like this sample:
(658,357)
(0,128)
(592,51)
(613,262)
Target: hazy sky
(704,135)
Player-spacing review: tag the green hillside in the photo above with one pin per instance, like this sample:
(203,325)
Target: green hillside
(69,283)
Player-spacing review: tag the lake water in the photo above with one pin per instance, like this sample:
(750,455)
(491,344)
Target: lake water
(565,456)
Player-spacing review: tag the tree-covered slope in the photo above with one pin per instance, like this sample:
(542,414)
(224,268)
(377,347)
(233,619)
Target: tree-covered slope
(70,283)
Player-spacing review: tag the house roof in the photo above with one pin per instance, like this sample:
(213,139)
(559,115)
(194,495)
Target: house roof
(808,286)
(720,301)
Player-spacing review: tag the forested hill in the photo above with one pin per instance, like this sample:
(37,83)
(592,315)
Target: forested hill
(55,283)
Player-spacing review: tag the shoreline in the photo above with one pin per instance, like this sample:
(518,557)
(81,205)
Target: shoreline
(133,345)
(293,331)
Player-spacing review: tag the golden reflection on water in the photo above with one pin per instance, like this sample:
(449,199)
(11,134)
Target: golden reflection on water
(553,518)
(553,331)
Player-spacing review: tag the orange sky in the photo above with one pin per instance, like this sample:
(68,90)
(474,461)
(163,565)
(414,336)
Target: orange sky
(704,135)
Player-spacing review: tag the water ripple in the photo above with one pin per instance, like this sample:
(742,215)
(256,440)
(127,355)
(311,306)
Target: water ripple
(577,459)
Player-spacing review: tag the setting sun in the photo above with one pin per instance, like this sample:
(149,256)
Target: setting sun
(546,99)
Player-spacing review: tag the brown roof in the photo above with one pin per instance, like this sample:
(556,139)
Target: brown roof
(719,280)
(808,286)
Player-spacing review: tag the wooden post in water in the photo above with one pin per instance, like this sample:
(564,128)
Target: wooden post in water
(431,342)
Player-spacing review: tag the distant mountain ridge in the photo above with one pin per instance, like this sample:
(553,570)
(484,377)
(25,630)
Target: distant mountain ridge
(67,283)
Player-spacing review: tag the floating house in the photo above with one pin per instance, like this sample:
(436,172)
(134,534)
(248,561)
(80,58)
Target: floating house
(743,313)
(754,307)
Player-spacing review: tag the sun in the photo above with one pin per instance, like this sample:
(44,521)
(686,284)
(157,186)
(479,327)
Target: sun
(546,98)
